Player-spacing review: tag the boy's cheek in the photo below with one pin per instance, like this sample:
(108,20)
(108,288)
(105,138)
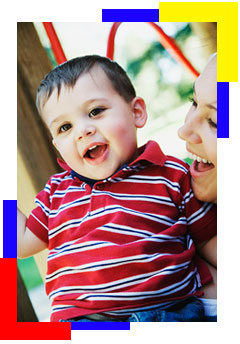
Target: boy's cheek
(123,129)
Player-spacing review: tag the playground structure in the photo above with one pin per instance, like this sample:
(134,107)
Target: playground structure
(167,42)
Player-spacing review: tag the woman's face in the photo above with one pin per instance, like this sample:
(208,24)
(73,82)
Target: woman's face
(200,133)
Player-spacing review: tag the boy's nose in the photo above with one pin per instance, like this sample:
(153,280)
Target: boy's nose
(87,131)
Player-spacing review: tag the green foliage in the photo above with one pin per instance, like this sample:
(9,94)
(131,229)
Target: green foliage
(185,90)
(153,54)
(29,272)
(171,81)
(51,56)
(156,51)
(188,160)
(183,34)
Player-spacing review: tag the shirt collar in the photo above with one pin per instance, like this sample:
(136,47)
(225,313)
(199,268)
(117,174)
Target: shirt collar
(64,165)
(150,152)
(89,181)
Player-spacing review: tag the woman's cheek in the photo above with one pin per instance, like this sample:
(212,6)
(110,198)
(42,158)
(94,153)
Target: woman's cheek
(213,155)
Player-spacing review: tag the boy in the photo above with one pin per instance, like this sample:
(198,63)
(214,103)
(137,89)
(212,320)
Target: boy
(117,221)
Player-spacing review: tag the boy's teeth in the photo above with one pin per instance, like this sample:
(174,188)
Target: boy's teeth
(195,157)
(93,147)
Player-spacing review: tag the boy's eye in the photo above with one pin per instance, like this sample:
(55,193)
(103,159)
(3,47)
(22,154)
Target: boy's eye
(95,112)
(212,124)
(64,127)
(192,101)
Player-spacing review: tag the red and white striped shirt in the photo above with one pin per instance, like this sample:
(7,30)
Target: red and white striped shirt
(126,243)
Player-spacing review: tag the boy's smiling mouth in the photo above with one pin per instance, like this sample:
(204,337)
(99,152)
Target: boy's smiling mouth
(96,153)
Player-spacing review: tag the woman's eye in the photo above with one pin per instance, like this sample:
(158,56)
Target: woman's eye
(212,124)
(192,101)
(95,112)
(65,127)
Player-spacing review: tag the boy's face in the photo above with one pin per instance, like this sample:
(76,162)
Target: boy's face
(92,126)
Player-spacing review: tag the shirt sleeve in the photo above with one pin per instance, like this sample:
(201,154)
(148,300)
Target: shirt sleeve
(37,222)
(201,216)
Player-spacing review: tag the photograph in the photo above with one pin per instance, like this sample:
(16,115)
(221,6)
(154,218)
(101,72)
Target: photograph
(121,229)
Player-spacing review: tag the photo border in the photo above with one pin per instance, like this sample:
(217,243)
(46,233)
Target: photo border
(226,16)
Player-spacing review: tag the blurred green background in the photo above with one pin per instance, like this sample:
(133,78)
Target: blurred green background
(29,272)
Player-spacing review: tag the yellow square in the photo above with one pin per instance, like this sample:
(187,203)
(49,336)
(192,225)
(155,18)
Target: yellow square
(226,16)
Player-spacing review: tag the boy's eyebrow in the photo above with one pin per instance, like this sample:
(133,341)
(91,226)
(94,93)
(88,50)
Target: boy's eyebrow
(89,101)
(57,119)
(86,103)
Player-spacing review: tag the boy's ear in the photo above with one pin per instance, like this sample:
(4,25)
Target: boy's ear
(139,111)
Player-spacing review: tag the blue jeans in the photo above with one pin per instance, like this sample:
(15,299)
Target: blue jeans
(209,318)
(192,311)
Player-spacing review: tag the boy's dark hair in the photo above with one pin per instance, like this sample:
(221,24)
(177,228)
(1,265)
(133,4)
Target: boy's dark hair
(68,72)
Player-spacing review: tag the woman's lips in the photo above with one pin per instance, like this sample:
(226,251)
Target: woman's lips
(96,154)
(199,169)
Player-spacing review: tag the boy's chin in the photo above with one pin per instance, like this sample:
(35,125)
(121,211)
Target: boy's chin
(102,176)
(99,175)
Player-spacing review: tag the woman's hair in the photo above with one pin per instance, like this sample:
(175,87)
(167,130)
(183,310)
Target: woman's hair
(68,72)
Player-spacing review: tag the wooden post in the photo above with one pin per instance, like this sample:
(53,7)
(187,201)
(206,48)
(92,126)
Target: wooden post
(34,142)
(36,154)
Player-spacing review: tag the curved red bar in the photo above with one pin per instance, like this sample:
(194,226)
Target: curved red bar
(167,42)
(56,45)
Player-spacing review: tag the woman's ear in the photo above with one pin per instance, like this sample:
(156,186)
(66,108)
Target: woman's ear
(139,111)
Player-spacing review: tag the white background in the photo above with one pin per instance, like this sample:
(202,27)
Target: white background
(226,330)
